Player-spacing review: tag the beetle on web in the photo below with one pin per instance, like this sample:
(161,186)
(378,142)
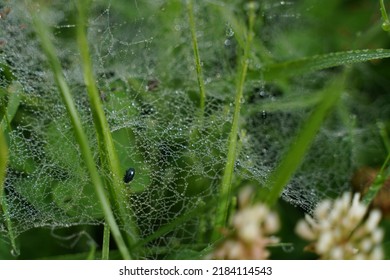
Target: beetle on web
(129,175)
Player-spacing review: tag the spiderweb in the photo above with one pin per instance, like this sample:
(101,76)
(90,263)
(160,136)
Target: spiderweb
(145,70)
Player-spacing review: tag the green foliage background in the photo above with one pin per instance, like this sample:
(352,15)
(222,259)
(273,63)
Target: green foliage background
(315,107)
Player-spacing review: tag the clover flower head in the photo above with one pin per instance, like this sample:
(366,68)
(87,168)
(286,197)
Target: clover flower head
(252,230)
(339,230)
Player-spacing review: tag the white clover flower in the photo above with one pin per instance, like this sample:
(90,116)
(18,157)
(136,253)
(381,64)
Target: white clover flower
(337,230)
(252,230)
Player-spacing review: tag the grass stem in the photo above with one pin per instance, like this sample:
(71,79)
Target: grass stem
(225,190)
(383,173)
(107,149)
(197,57)
(106,242)
(3,200)
(385,19)
(48,48)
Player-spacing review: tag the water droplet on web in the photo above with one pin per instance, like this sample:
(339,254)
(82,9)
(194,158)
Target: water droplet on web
(386,26)
(288,248)
(15,252)
(229,31)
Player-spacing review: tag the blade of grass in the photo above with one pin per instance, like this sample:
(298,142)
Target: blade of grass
(314,63)
(225,189)
(14,93)
(291,161)
(386,21)
(285,104)
(106,242)
(378,182)
(197,57)
(107,149)
(10,229)
(384,135)
(48,48)
(3,200)
(383,173)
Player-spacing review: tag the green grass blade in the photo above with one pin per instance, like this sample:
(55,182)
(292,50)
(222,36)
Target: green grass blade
(385,18)
(291,161)
(3,200)
(48,48)
(106,144)
(106,242)
(285,104)
(315,63)
(14,92)
(378,182)
(225,189)
(383,173)
(202,91)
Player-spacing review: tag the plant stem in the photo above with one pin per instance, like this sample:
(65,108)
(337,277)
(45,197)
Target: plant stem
(107,149)
(384,135)
(378,182)
(106,242)
(3,200)
(225,190)
(197,57)
(386,21)
(383,173)
(48,48)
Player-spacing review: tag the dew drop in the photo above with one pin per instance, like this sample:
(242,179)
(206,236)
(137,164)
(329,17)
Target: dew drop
(288,248)
(15,252)
(229,31)
(386,26)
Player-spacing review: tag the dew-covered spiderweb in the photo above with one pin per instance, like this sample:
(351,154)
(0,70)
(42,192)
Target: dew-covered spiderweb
(145,71)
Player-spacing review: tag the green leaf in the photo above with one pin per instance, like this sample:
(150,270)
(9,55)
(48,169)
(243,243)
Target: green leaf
(124,140)
(314,63)
(14,93)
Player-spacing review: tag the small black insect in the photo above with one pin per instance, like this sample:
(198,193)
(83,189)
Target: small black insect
(129,175)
